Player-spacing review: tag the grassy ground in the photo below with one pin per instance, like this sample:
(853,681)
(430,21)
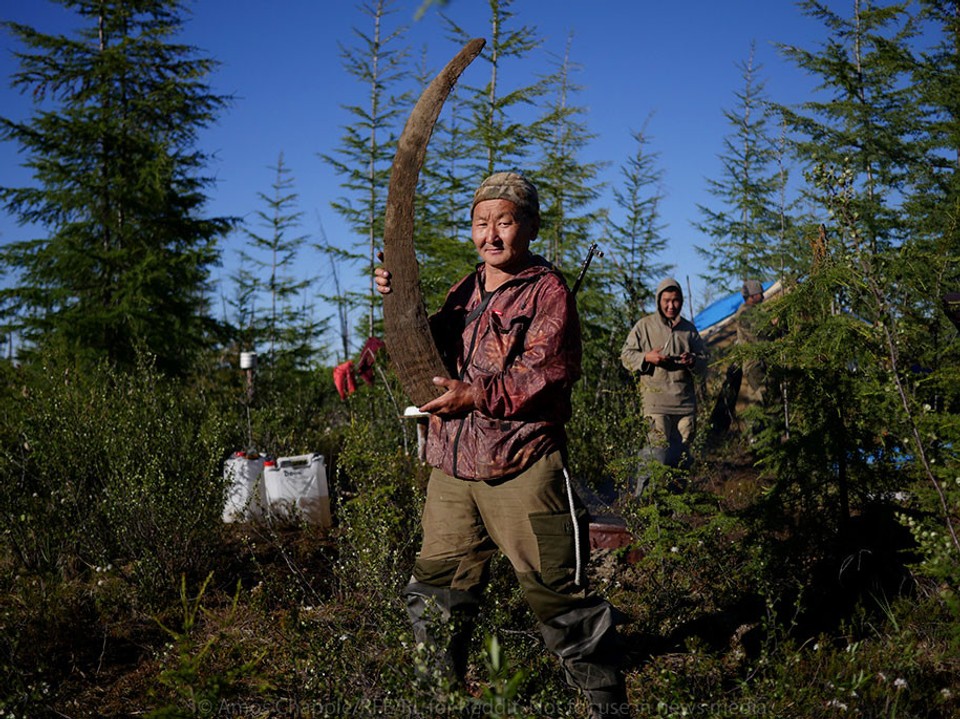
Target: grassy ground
(296,622)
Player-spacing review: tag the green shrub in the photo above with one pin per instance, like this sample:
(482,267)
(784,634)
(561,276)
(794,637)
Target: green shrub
(382,488)
(196,686)
(45,633)
(106,467)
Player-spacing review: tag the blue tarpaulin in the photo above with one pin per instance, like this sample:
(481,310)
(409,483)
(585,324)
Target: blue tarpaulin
(721,309)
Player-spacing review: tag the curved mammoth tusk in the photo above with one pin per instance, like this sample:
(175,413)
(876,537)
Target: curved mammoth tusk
(414,355)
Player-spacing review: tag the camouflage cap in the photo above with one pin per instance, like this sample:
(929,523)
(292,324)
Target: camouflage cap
(510,186)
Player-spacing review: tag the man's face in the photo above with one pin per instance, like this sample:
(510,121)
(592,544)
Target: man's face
(755,299)
(501,236)
(670,304)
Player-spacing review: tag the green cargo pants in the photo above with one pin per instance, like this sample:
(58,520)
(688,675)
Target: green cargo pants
(540,525)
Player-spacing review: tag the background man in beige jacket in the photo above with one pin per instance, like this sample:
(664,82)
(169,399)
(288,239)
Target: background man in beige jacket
(667,352)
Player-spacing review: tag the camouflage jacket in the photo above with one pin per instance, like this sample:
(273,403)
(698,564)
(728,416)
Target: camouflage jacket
(519,347)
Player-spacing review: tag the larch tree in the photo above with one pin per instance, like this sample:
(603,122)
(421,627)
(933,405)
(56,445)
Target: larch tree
(933,203)
(368,145)
(746,225)
(925,272)
(569,187)
(284,329)
(858,125)
(635,242)
(835,346)
(567,184)
(500,136)
(121,257)
(338,258)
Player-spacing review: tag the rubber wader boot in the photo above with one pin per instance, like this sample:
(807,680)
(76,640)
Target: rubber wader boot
(443,620)
(609,704)
(586,641)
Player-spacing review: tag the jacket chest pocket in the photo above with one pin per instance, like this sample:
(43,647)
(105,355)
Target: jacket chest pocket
(505,340)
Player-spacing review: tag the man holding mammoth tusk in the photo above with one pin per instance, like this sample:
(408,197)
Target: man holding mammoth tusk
(510,336)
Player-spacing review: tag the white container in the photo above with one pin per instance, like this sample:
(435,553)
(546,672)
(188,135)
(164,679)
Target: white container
(297,486)
(246,498)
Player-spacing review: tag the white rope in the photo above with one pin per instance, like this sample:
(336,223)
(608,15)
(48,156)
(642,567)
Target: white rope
(576,527)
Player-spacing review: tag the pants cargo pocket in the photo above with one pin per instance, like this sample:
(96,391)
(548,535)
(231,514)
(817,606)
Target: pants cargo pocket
(556,542)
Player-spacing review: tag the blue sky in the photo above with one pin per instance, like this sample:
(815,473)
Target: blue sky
(672,63)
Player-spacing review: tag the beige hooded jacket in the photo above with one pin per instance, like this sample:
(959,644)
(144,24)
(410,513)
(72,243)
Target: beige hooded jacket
(666,389)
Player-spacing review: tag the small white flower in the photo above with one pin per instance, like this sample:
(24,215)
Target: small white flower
(674,549)
(900,683)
